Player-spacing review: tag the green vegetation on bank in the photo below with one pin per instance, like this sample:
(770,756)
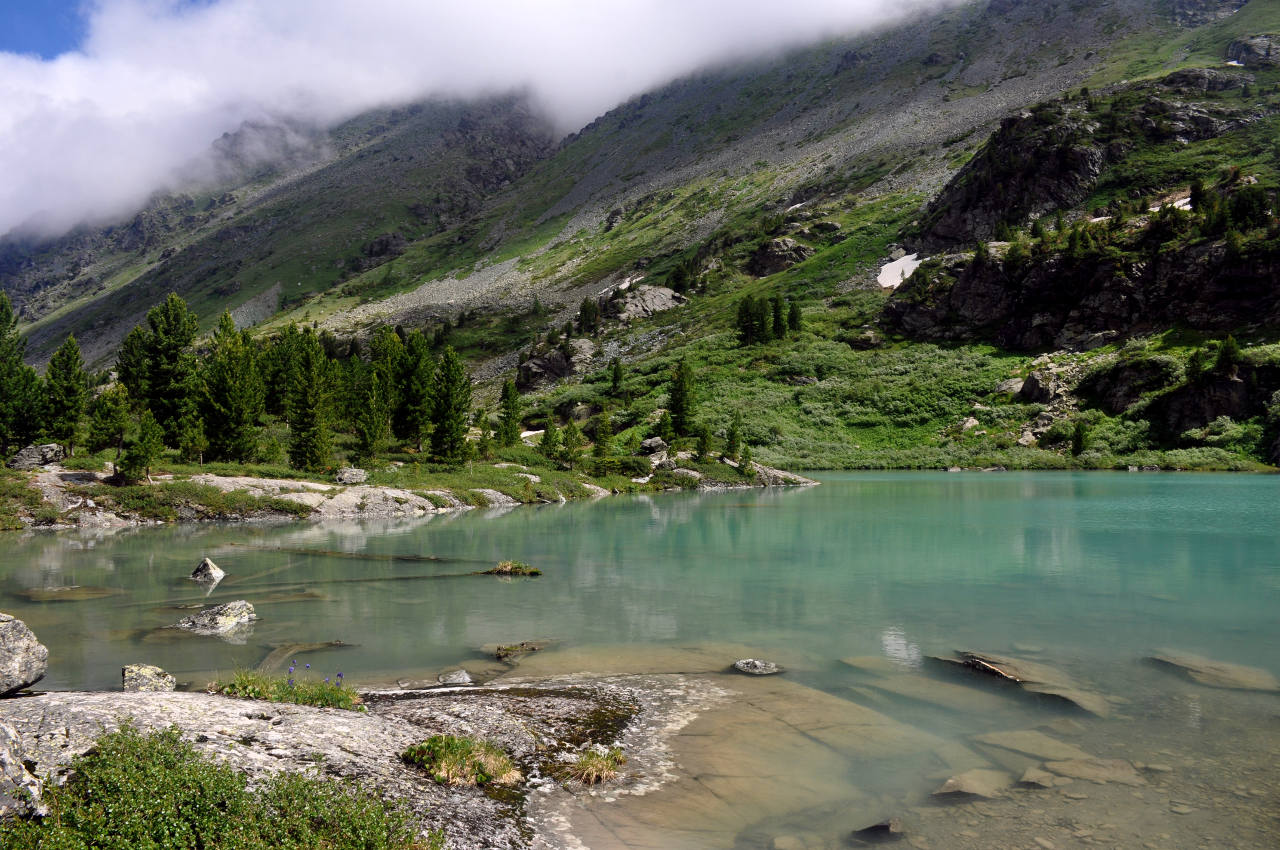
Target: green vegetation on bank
(300,689)
(456,760)
(136,789)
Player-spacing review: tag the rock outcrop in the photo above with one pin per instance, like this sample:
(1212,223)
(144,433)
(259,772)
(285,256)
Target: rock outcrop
(351,475)
(19,790)
(643,301)
(34,457)
(231,621)
(23,659)
(1196,13)
(146,678)
(573,357)
(207,572)
(1256,51)
(778,255)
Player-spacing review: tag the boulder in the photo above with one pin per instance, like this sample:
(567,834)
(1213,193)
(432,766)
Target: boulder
(979,782)
(690,474)
(756,667)
(1204,80)
(642,302)
(207,572)
(23,659)
(230,621)
(454,677)
(1012,386)
(1033,677)
(653,445)
(34,457)
(1039,387)
(878,833)
(1217,674)
(1032,743)
(1256,51)
(19,790)
(146,678)
(573,357)
(351,475)
(777,255)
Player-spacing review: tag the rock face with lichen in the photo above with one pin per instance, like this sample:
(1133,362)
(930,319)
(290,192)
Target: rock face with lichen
(146,678)
(19,790)
(230,621)
(23,659)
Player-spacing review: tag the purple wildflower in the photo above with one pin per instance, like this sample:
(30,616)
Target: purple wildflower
(308,666)
(291,683)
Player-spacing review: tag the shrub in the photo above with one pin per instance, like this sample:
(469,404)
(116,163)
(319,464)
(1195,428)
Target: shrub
(594,766)
(454,760)
(247,684)
(513,568)
(136,789)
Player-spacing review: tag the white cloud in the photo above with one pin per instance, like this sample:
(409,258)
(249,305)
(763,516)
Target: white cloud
(91,134)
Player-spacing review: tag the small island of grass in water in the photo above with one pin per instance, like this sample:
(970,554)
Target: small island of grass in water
(513,568)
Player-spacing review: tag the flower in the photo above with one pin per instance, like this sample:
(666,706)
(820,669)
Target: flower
(291,683)
(308,666)
(339,675)
(326,680)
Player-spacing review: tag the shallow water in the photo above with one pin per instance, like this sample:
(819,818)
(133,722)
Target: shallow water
(1087,572)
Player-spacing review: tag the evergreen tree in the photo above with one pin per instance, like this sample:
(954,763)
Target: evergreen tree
(664,429)
(509,415)
(389,358)
(66,391)
(108,418)
(132,365)
(747,333)
(550,445)
(169,361)
(278,366)
(615,378)
(681,403)
(604,437)
(412,418)
(794,319)
(744,465)
(309,446)
(779,324)
(192,442)
(373,417)
(451,404)
(704,443)
(233,394)
(1229,355)
(142,451)
(589,316)
(20,397)
(484,445)
(571,443)
(733,439)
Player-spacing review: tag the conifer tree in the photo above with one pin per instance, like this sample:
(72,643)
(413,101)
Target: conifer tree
(615,378)
(484,445)
(664,429)
(704,443)
(278,366)
(169,361)
(309,445)
(20,396)
(744,466)
(572,442)
(143,450)
(681,402)
(451,404)
(733,439)
(389,358)
(604,437)
(233,394)
(108,419)
(192,442)
(132,365)
(373,416)
(66,391)
(550,445)
(779,325)
(509,415)
(793,318)
(412,418)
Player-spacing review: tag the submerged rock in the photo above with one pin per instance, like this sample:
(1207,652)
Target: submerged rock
(146,678)
(1100,771)
(455,677)
(231,621)
(1218,674)
(207,572)
(1032,743)
(1034,677)
(756,667)
(878,833)
(23,659)
(1037,777)
(979,782)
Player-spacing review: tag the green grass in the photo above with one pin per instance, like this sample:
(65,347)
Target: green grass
(155,790)
(170,500)
(461,761)
(306,689)
(594,766)
(513,568)
(17,498)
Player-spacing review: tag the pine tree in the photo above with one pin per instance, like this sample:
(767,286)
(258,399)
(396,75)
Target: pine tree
(747,334)
(413,416)
(733,439)
(779,324)
(108,418)
(664,429)
(451,403)
(615,378)
(704,443)
(484,445)
(192,442)
(389,358)
(278,366)
(233,394)
(373,416)
(20,397)
(509,415)
(132,365)
(309,446)
(794,319)
(744,466)
(169,361)
(681,401)
(66,391)
(141,452)
(604,437)
(571,443)
(550,445)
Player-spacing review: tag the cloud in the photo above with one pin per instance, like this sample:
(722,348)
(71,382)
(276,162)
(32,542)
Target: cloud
(90,135)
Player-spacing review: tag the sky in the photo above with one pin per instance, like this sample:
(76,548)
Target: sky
(105,102)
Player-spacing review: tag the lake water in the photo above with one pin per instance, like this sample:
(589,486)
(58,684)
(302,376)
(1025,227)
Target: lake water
(1086,572)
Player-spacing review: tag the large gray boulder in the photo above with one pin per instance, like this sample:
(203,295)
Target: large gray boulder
(351,475)
(644,301)
(140,678)
(23,659)
(19,790)
(231,621)
(34,457)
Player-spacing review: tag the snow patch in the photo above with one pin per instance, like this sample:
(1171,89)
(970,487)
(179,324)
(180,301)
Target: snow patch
(894,273)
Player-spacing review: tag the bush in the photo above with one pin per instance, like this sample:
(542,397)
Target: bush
(453,760)
(595,766)
(326,694)
(136,789)
(513,568)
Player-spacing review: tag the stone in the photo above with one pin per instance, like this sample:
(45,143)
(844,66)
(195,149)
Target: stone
(1256,51)
(1099,771)
(23,659)
(1217,674)
(878,833)
(969,424)
(146,678)
(231,621)
(19,790)
(1034,677)
(1039,387)
(756,667)
(778,255)
(1032,743)
(207,572)
(34,457)
(979,782)
(351,475)
(690,474)
(642,302)
(1181,809)
(1035,776)
(653,445)
(454,677)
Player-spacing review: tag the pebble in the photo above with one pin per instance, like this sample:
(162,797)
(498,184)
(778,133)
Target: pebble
(1045,843)
(1181,810)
